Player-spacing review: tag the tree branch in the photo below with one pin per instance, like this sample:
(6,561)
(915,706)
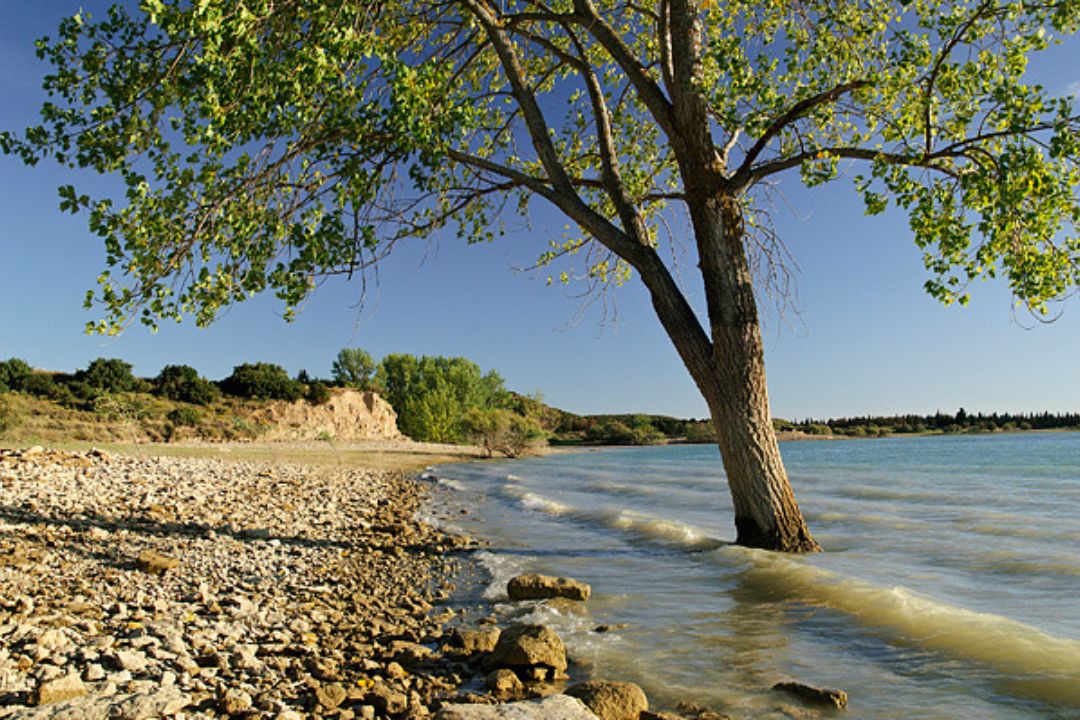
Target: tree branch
(744,173)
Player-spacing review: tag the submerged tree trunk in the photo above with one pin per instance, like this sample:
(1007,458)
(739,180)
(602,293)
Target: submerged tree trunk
(729,370)
(766,513)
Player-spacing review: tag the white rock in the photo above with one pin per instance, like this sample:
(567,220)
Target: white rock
(555,707)
(131,661)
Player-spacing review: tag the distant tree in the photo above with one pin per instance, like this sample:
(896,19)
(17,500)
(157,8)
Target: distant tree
(262,381)
(183,383)
(14,373)
(108,375)
(266,144)
(501,430)
(353,367)
(432,394)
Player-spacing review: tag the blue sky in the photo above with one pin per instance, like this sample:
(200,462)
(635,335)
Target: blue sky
(866,338)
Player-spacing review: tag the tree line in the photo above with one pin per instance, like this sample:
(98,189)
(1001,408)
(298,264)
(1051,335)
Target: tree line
(960,422)
(437,399)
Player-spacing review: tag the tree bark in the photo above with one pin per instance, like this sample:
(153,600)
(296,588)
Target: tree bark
(766,513)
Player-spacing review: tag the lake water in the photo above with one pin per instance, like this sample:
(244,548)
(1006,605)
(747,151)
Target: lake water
(950,585)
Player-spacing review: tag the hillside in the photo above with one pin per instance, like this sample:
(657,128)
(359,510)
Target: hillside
(347,416)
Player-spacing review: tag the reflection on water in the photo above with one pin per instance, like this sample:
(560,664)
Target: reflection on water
(948,589)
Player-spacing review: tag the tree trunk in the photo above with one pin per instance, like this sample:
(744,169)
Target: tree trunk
(766,513)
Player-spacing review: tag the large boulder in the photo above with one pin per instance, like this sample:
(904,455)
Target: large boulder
(554,707)
(611,700)
(542,587)
(528,646)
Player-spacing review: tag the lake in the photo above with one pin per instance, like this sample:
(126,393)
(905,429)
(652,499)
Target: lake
(950,585)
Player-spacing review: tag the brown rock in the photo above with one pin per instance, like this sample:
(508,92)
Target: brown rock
(155,563)
(542,587)
(473,641)
(505,684)
(59,690)
(527,646)
(385,700)
(330,696)
(611,700)
(818,696)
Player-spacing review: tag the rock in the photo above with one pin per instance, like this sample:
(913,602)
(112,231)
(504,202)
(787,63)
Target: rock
(59,690)
(385,700)
(155,704)
(555,707)
(94,672)
(611,700)
(330,696)
(541,587)
(818,696)
(474,641)
(234,701)
(504,683)
(610,628)
(697,712)
(52,639)
(153,562)
(131,661)
(527,646)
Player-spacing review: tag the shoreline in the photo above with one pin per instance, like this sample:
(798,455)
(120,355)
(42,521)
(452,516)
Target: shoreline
(150,586)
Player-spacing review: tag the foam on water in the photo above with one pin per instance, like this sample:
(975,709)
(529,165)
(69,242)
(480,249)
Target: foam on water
(908,618)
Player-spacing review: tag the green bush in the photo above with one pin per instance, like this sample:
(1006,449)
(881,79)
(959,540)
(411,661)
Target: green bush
(500,430)
(318,393)
(183,384)
(262,381)
(184,417)
(13,374)
(108,375)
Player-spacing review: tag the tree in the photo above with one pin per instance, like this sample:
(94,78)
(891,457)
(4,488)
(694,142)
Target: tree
(262,381)
(432,394)
(353,368)
(501,430)
(109,375)
(183,383)
(265,145)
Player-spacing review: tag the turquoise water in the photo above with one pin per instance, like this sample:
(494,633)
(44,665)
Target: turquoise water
(950,585)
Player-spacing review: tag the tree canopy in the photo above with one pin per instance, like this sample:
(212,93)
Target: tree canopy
(265,144)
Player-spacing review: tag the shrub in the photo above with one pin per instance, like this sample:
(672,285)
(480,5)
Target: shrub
(120,407)
(182,383)
(9,416)
(184,417)
(109,375)
(499,430)
(263,381)
(14,373)
(318,393)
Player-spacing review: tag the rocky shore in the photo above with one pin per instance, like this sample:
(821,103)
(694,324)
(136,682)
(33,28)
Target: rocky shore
(135,588)
(162,587)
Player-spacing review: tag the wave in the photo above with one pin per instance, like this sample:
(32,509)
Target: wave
(612,488)
(636,524)
(1048,666)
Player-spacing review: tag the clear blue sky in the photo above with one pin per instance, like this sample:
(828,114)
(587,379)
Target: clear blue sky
(866,339)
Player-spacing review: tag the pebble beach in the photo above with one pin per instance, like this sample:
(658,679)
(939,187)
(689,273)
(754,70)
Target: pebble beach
(175,587)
